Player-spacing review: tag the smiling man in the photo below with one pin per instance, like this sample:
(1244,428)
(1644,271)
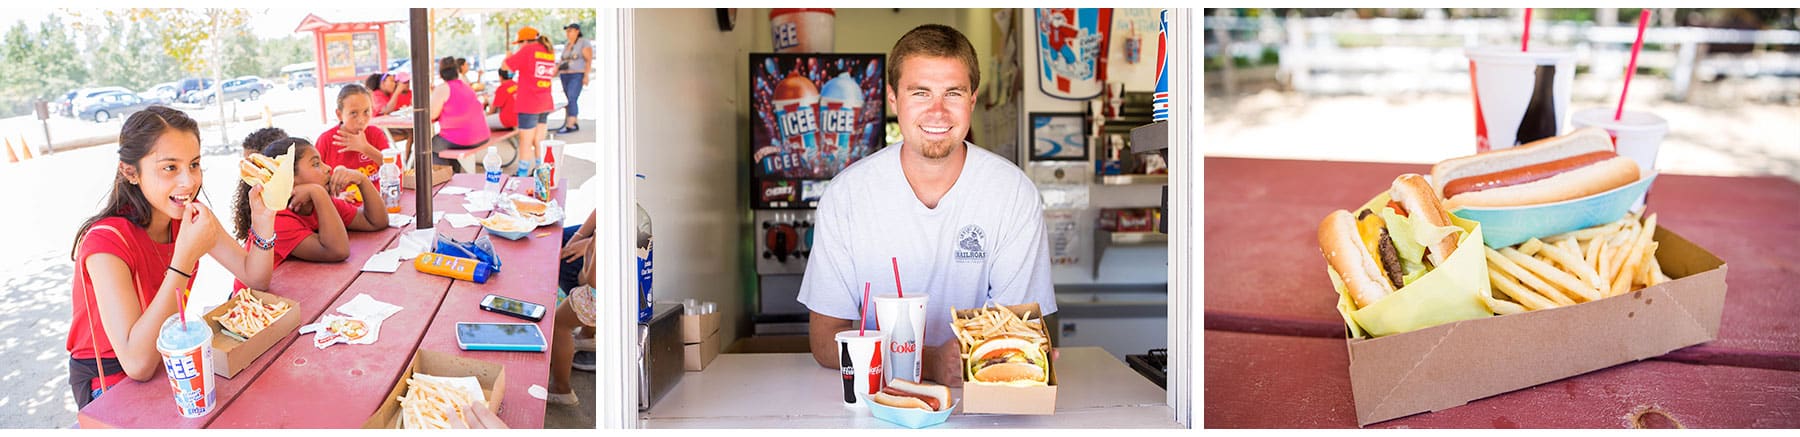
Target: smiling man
(965,225)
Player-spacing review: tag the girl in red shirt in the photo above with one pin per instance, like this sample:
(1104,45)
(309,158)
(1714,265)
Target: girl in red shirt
(136,257)
(353,142)
(315,224)
(534,65)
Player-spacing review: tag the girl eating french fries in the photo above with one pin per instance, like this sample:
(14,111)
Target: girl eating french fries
(136,258)
(315,225)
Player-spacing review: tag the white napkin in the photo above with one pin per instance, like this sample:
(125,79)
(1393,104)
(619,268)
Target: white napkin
(478,207)
(452,191)
(437,216)
(461,220)
(367,308)
(383,262)
(399,220)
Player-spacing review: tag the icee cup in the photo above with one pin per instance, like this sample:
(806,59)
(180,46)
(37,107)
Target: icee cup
(1455,291)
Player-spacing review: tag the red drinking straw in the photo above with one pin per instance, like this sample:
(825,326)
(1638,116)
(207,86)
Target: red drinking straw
(861,328)
(1525,41)
(897,290)
(1630,69)
(181,302)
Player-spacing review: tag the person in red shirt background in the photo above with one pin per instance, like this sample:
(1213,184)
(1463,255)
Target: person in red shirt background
(535,66)
(315,224)
(353,143)
(503,113)
(391,92)
(136,257)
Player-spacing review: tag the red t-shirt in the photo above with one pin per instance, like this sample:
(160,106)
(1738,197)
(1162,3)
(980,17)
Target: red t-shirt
(379,100)
(148,261)
(534,67)
(335,155)
(291,228)
(503,99)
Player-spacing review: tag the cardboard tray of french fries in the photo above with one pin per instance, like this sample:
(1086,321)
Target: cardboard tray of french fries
(1451,364)
(1003,398)
(272,323)
(492,378)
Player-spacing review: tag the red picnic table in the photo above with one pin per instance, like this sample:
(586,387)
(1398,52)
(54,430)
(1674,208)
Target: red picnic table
(1275,351)
(296,385)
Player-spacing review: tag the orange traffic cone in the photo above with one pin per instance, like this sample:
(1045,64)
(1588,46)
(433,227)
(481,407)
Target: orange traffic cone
(10,156)
(27,147)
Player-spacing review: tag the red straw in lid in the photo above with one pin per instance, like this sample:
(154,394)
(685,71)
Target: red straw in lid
(862,327)
(1525,41)
(1631,69)
(897,290)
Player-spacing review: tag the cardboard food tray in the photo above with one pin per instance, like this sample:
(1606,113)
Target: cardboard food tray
(230,355)
(696,328)
(491,375)
(439,175)
(981,397)
(1448,365)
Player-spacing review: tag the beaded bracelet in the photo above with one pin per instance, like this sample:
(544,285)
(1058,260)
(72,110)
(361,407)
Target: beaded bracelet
(260,242)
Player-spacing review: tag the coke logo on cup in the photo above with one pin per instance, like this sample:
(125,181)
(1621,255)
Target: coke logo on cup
(905,348)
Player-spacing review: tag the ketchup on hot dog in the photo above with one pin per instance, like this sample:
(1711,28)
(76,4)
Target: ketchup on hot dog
(1524,174)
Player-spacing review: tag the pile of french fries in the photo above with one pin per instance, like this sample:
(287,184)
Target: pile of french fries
(430,403)
(1574,267)
(994,320)
(249,315)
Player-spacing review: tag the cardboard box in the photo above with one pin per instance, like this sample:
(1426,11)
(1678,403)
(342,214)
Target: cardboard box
(439,175)
(697,328)
(230,355)
(980,397)
(695,356)
(491,375)
(1448,365)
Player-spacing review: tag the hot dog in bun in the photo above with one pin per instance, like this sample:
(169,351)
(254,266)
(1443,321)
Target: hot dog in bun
(257,169)
(1553,169)
(901,393)
(1378,252)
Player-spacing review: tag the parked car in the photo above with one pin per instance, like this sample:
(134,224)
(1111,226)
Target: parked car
(185,88)
(85,96)
(242,89)
(105,107)
(302,80)
(163,91)
(64,105)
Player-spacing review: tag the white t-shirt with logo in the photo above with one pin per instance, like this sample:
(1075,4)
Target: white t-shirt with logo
(985,241)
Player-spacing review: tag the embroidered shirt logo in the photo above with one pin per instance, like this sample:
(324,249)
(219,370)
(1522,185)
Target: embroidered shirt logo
(968,244)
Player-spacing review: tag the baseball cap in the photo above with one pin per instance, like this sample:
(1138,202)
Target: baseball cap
(527,33)
(576,26)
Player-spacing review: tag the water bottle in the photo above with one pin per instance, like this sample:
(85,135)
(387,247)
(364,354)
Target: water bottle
(491,164)
(645,250)
(388,179)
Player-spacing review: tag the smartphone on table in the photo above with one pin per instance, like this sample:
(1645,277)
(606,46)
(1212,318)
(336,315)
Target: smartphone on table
(513,307)
(520,337)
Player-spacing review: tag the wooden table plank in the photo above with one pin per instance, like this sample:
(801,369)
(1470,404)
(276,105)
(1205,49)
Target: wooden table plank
(340,386)
(1271,381)
(312,285)
(1264,268)
(529,273)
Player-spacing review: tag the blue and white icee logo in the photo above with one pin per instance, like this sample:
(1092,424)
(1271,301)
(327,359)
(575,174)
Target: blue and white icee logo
(968,244)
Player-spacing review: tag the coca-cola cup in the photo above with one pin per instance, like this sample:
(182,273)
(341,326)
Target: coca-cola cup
(1520,96)
(1636,135)
(860,354)
(903,319)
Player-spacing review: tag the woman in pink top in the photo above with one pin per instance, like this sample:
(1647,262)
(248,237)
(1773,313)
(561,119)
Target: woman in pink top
(461,123)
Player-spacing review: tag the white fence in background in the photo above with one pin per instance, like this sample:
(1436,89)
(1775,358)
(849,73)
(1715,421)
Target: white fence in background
(1330,55)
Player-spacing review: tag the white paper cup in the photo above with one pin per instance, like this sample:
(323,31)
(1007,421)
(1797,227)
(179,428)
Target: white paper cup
(860,356)
(904,358)
(1637,135)
(1506,82)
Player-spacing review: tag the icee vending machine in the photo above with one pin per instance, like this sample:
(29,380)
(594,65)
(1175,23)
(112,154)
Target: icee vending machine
(811,115)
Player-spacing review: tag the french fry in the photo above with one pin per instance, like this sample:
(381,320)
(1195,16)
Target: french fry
(1531,246)
(1502,307)
(1531,300)
(1589,233)
(1643,273)
(1495,259)
(1634,255)
(1656,272)
(1572,263)
(1568,283)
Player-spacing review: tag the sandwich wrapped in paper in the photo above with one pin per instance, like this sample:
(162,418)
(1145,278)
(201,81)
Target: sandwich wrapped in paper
(1449,292)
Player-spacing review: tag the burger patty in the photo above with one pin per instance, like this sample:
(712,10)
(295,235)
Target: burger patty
(1390,261)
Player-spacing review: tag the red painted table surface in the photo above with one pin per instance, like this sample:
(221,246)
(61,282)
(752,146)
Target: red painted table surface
(1264,275)
(1278,381)
(312,285)
(297,385)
